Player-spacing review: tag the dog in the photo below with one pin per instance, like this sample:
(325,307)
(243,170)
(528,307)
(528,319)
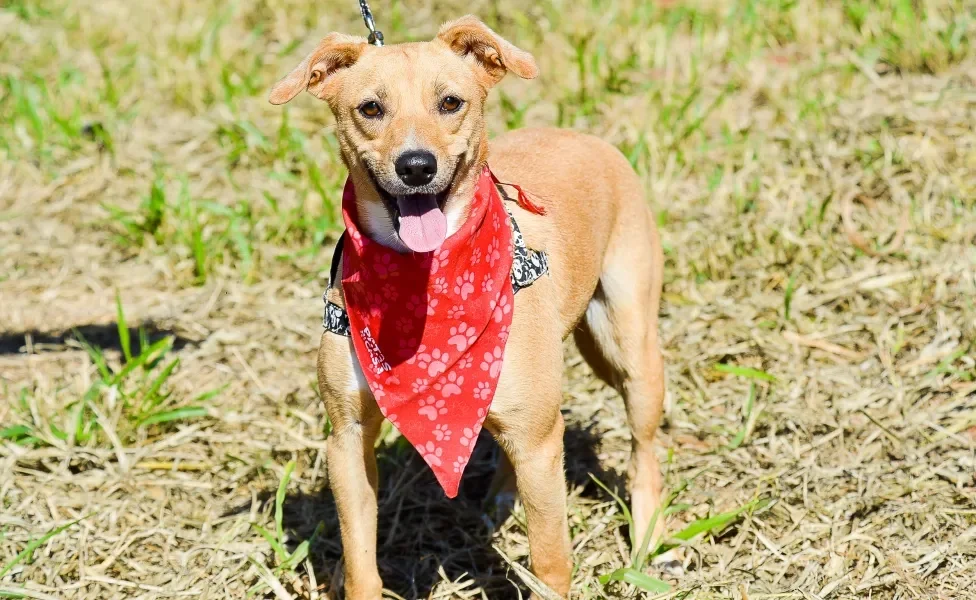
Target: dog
(412,133)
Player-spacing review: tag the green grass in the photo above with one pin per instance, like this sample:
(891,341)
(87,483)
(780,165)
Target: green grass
(27,554)
(132,392)
(287,561)
(642,553)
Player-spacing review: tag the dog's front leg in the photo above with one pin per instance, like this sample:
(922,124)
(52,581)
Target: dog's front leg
(356,421)
(535,448)
(353,479)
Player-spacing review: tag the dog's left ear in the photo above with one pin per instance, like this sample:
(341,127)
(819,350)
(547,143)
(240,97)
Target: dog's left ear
(468,36)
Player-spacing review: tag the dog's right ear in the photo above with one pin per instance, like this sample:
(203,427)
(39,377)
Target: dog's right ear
(336,51)
(468,36)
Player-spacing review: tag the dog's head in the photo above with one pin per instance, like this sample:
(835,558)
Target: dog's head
(410,122)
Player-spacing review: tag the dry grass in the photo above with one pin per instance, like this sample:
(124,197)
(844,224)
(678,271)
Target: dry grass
(812,164)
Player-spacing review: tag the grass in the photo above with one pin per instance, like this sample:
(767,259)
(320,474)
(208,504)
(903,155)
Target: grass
(122,404)
(810,165)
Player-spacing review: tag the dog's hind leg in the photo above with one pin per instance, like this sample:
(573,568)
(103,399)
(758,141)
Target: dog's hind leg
(618,337)
(503,491)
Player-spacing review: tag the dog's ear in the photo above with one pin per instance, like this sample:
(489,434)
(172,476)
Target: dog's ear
(468,36)
(336,51)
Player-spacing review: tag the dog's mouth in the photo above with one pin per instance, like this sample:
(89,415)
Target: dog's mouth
(418,219)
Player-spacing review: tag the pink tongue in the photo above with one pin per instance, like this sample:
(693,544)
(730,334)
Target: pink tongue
(423,225)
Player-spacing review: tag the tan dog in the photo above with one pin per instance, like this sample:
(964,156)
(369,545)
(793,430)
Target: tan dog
(605,263)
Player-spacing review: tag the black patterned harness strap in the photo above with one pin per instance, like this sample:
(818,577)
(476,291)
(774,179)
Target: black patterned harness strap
(527,266)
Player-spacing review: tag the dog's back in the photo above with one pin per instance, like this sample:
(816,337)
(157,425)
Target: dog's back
(596,214)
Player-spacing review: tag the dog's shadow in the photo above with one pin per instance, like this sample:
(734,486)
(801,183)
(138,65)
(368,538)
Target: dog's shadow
(423,537)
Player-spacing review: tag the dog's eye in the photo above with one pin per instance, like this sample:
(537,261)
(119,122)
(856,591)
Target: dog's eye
(371,109)
(450,104)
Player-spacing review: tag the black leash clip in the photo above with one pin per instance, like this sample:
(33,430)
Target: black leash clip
(375,37)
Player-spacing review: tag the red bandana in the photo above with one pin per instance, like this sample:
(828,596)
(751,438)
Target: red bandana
(430,329)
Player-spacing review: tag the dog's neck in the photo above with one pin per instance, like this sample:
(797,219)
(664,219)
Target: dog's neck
(375,219)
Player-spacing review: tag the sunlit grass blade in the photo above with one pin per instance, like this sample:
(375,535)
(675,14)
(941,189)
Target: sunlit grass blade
(301,552)
(275,545)
(147,357)
(32,546)
(15,432)
(177,414)
(788,296)
(637,579)
(211,394)
(718,522)
(124,342)
(20,434)
(747,372)
(740,437)
(152,397)
(280,499)
(96,357)
(623,508)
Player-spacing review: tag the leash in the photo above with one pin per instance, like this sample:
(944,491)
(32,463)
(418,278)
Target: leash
(375,37)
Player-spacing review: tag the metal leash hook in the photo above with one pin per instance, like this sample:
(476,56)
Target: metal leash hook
(375,37)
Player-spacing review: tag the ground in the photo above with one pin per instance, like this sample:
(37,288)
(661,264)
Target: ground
(812,168)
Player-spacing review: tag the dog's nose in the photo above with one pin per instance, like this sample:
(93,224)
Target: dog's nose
(416,168)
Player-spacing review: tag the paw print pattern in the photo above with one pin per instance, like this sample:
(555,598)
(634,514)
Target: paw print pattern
(483,391)
(390,292)
(430,453)
(388,415)
(385,267)
(406,349)
(492,254)
(487,284)
(493,362)
(465,362)
(440,285)
(451,385)
(500,307)
(462,336)
(420,386)
(503,332)
(455,312)
(442,433)
(377,303)
(470,434)
(440,259)
(464,285)
(404,325)
(431,408)
(460,463)
(438,362)
(475,257)
(417,356)
(415,306)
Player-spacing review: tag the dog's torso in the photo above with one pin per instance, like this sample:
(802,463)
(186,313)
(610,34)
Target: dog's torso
(584,215)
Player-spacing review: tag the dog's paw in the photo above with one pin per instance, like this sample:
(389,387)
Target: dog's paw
(671,563)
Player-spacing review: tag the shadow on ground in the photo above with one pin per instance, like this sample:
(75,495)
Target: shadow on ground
(420,531)
(104,336)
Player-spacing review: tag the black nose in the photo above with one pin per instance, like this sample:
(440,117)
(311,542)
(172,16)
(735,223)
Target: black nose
(416,167)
